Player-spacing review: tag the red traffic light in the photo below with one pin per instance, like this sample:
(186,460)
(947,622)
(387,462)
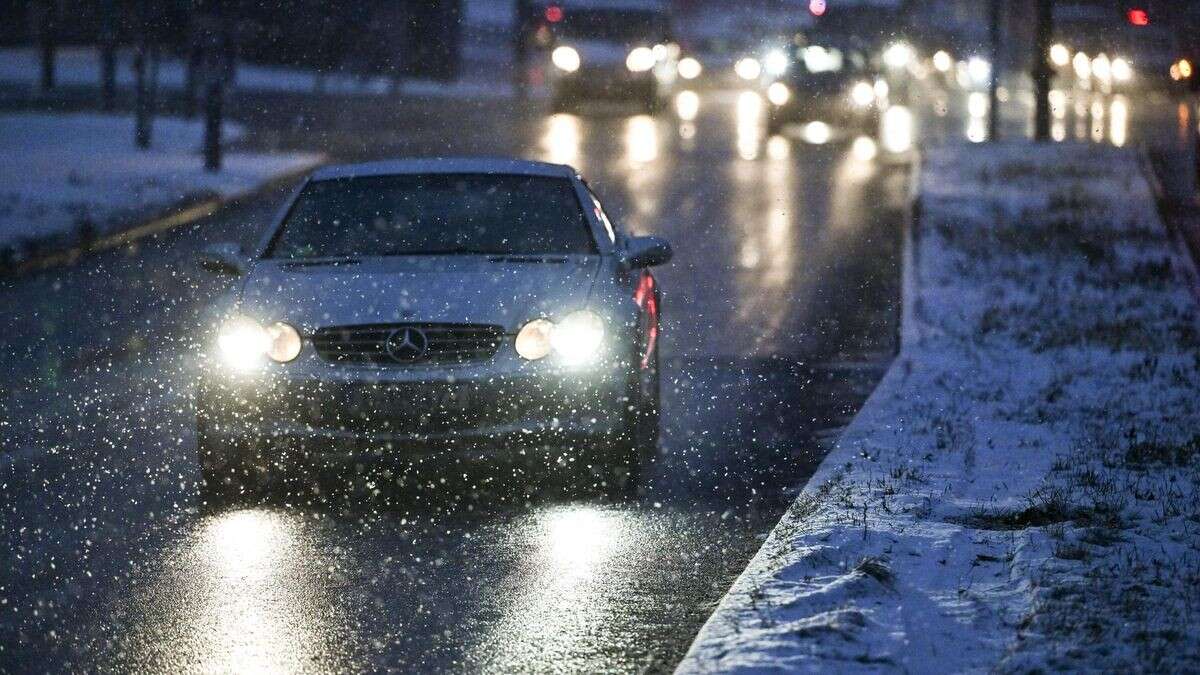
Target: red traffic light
(1138,17)
(817,7)
(554,13)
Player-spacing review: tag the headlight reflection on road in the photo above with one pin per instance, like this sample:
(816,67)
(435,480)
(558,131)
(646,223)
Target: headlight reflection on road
(578,556)
(641,139)
(687,105)
(748,118)
(897,129)
(560,140)
(1118,122)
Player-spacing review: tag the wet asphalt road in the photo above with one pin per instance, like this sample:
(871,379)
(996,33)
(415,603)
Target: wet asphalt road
(781,308)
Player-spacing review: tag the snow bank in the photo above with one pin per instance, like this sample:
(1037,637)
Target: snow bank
(64,173)
(1020,492)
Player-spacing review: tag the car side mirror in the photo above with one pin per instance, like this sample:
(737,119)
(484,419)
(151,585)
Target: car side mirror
(223,258)
(647,251)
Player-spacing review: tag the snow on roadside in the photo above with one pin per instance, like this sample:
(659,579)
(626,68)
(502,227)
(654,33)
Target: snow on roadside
(62,172)
(1020,492)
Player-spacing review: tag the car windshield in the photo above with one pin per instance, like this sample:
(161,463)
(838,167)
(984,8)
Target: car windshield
(434,214)
(621,25)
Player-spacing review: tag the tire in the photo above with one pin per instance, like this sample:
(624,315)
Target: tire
(224,479)
(637,446)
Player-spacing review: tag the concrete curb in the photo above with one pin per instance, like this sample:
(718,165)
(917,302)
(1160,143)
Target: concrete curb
(140,229)
(759,566)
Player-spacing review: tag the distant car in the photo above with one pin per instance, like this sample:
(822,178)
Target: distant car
(607,49)
(404,307)
(826,84)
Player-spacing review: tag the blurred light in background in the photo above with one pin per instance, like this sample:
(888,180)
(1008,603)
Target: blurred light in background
(979,70)
(864,149)
(690,68)
(778,148)
(1121,70)
(816,7)
(565,58)
(1060,55)
(775,63)
(897,132)
(1118,125)
(817,133)
(560,141)
(778,93)
(687,105)
(641,139)
(897,55)
(1082,65)
(942,61)
(748,68)
(748,116)
(863,94)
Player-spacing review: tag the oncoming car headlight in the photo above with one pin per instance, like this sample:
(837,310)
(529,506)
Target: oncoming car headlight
(243,342)
(778,93)
(577,339)
(640,60)
(863,94)
(565,58)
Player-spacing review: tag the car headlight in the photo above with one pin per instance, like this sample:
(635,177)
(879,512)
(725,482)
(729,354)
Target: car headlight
(775,62)
(565,58)
(748,68)
(1121,70)
(778,93)
(577,339)
(243,342)
(533,340)
(690,68)
(863,94)
(640,60)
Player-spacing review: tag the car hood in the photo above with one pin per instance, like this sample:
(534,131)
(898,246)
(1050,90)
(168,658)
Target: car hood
(499,290)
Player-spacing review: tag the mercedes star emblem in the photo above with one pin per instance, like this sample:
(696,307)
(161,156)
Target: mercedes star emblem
(406,344)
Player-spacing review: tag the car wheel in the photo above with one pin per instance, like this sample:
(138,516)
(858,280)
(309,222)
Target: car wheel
(637,446)
(224,480)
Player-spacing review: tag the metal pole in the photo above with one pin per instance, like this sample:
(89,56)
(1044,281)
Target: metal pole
(1041,69)
(994,83)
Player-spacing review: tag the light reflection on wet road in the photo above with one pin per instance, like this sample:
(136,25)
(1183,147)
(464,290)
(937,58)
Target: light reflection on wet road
(781,308)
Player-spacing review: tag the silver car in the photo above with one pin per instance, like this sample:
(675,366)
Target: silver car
(408,307)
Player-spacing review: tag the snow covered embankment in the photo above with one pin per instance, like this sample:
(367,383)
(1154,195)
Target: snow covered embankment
(1020,492)
(64,175)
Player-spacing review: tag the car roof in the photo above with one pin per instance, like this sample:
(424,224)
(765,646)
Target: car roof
(517,167)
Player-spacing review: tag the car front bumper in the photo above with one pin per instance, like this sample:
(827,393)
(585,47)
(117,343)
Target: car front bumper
(362,407)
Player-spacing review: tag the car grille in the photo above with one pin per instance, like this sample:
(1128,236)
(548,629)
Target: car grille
(408,344)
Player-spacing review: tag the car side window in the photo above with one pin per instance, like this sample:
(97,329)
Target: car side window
(598,209)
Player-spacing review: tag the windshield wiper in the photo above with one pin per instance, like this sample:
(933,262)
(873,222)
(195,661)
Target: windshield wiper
(462,250)
(316,262)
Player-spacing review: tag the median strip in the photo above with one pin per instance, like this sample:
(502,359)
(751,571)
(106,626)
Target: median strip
(1020,492)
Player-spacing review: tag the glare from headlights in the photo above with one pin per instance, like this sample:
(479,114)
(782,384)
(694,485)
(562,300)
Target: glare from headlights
(1082,65)
(863,94)
(1102,67)
(942,61)
(690,68)
(897,55)
(533,340)
(748,68)
(565,58)
(882,89)
(1060,55)
(285,342)
(778,93)
(1121,70)
(775,62)
(578,338)
(979,69)
(640,60)
(243,342)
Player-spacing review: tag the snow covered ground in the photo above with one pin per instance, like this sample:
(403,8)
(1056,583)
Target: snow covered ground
(1020,492)
(65,173)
